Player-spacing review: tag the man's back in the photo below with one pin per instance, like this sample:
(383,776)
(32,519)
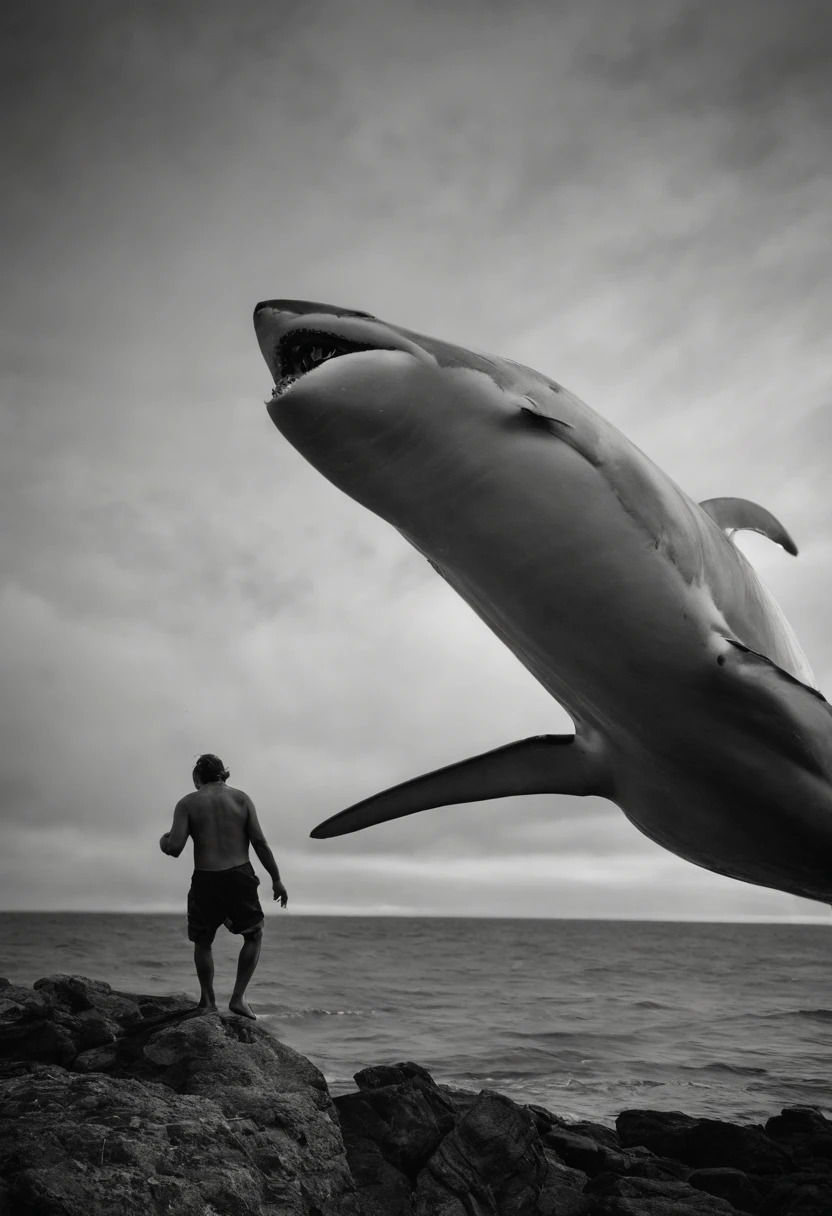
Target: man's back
(222,822)
(218,819)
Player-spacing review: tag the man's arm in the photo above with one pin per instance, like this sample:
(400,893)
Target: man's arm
(173,842)
(257,839)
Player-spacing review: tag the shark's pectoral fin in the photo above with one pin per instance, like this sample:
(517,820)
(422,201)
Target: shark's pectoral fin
(741,514)
(543,764)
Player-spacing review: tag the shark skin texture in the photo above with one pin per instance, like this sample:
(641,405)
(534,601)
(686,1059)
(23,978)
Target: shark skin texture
(695,709)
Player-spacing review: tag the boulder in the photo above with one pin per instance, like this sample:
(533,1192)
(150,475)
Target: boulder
(544,1119)
(120,1102)
(580,1151)
(662,1131)
(74,1145)
(492,1163)
(562,1192)
(805,1131)
(651,1197)
(381,1075)
(713,1142)
(153,1006)
(795,1122)
(730,1184)
(405,1121)
(800,1194)
(381,1189)
(576,1146)
(61,1017)
(174,1110)
(79,995)
(706,1143)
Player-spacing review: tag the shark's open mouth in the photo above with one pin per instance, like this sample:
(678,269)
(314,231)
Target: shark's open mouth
(303,350)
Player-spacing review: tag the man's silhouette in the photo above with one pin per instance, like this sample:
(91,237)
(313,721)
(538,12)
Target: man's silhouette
(222,822)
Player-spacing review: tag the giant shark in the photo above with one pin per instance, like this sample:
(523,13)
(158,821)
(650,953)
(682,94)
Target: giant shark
(694,707)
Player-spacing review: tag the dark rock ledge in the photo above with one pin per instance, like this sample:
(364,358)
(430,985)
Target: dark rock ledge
(117,1104)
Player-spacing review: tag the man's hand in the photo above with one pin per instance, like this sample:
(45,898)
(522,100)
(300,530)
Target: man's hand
(163,843)
(280,893)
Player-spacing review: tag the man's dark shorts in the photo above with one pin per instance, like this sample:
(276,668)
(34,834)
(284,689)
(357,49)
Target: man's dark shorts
(223,897)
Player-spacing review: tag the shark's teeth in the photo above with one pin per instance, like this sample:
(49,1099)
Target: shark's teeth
(302,350)
(295,355)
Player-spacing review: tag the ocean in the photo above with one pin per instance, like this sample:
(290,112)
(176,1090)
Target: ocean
(728,1021)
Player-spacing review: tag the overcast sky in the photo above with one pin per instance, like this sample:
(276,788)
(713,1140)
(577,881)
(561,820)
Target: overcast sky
(630,195)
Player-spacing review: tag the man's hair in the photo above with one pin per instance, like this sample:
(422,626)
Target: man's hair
(210,768)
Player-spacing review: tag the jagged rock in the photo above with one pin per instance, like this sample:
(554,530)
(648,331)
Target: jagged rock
(176,1112)
(382,1190)
(641,1163)
(599,1132)
(21,1004)
(730,1184)
(381,1075)
(544,1118)
(708,1143)
(713,1142)
(91,1146)
(62,1017)
(579,1149)
(492,1163)
(651,1197)
(79,995)
(801,1194)
(794,1122)
(662,1131)
(562,1191)
(406,1121)
(153,1006)
(461,1099)
(119,1102)
(97,1059)
(805,1131)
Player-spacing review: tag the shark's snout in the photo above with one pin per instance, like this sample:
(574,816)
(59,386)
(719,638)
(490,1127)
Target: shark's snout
(273,319)
(298,336)
(299,308)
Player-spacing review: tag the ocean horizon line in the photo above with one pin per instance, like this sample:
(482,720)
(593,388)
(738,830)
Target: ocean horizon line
(330,913)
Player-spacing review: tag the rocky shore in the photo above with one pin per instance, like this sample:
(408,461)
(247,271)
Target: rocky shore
(119,1104)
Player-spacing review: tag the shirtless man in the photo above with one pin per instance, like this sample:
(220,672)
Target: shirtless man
(222,822)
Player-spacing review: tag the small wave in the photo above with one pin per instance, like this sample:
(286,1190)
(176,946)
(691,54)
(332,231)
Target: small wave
(282,1013)
(737,1070)
(774,1015)
(565,1037)
(650,1005)
(811,1015)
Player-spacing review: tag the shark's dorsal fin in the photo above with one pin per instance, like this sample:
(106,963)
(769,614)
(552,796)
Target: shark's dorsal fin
(739,513)
(543,764)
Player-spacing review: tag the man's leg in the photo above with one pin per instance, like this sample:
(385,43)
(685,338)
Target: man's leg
(249,954)
(204,963)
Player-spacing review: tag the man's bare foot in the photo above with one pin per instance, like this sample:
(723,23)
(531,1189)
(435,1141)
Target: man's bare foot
(239,1004)
(206,1005)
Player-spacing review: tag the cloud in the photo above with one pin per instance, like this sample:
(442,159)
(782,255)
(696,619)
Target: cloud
(629,198)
